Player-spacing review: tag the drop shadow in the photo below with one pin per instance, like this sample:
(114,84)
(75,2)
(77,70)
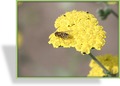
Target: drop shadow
(11,61)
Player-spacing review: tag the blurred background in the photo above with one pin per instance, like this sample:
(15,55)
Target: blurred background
(36,22)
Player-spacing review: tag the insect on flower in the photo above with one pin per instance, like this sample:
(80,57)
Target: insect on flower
(62,34)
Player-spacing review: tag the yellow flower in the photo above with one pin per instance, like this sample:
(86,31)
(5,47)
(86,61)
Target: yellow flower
(78,29)
(20,39)
(109,61)
(94,72)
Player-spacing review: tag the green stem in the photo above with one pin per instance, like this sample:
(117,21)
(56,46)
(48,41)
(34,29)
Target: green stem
(114,13)
(105,70)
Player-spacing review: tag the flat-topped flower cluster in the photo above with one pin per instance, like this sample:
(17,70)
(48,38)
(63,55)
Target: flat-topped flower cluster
(84,32)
